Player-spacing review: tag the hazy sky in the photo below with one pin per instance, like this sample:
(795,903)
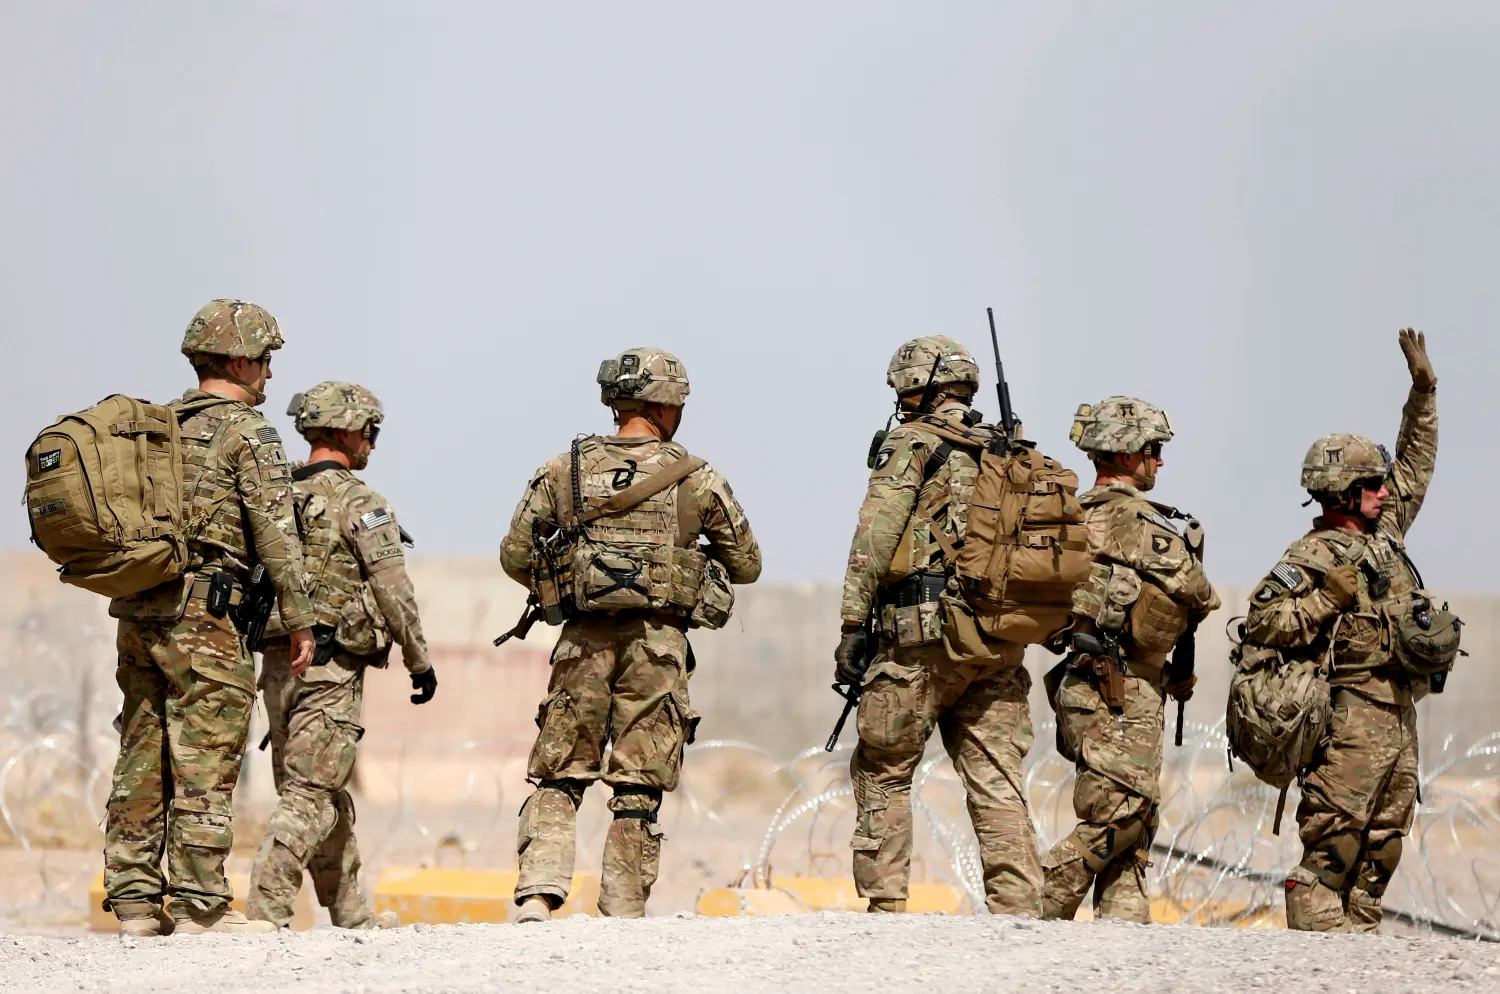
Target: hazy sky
(1227,209)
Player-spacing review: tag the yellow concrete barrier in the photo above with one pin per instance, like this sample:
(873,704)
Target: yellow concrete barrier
(105,921)
(457,896)
(799,895)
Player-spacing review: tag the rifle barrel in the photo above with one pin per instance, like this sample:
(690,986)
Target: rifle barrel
(1002,389)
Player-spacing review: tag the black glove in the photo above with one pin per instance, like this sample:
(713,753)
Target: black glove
(425,683)
(850,659)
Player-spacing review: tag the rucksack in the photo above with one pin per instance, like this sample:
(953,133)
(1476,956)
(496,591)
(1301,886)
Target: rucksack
(1026,546)
(1278,714)
(104,495)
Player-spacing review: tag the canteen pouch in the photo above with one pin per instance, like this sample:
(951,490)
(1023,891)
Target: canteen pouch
(715,601)
(1426,639)
(362,630)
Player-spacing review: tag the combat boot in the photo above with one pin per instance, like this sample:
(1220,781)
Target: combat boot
(889,905)
(227,921)
(147,926)
(386,919)
(534,909)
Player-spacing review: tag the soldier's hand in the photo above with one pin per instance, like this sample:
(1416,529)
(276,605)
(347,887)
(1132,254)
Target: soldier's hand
(425,683)
(1182,690)
(303,647)
(1341,584)
(1414,347)
(849,658)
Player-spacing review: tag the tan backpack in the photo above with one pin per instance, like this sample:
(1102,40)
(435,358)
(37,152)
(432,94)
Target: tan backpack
(1026,547)
(104,495)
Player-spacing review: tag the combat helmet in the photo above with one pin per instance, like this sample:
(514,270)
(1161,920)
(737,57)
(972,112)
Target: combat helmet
(642,376)
(235,329)
(1119,424)
(1337,462)
(936,357)
(333,405)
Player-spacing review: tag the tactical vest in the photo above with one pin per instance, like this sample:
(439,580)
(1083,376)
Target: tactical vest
(1361,639)
(622,541)
(216,520)
(338,587)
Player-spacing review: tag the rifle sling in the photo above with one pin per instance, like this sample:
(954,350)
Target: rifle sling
(652,485)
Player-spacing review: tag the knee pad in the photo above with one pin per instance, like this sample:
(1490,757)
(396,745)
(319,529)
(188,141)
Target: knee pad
(1118,838)
(1381,860)
(567,785)
(633,801)
(1332,859)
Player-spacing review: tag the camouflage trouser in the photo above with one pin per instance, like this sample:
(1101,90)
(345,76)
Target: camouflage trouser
(980,708)
(1358,801)
(1115,797)
(615,680)
(315,734)
(189,687)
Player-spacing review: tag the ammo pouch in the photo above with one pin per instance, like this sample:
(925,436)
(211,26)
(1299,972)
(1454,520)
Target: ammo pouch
(715,601)
(1426,639)
(362,630)
(1355,643)
(1156,620)
(609,578)
(910,612)
(1106,596)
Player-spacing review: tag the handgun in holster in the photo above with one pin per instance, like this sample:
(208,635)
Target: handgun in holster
(1106,664)
(255,607)
(324,646)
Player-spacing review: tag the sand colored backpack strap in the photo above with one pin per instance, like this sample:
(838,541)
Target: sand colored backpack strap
(674,472)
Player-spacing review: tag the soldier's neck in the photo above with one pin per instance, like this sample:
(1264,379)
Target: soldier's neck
(1344,521)
(633,425)
(226,388)
(326,453)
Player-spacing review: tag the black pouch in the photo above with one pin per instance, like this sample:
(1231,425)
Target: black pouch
(220,588)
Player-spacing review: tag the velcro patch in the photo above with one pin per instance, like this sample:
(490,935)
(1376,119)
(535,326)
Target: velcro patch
(48,460)
(267,434)
(374,519)
(51,507)
(883,458)
(1161,544)
(1287,575)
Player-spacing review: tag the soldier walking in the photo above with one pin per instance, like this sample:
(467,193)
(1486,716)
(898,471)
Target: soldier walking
(363,603)
(1145,591)
(924,676)
(607,538)
(1345,592)
(187,677)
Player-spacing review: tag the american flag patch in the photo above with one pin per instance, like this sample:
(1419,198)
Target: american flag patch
(1287,575)
(267,435)
(376,518)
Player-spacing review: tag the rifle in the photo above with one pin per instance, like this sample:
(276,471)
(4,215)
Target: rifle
(530,616)
(1185,652)
(255,606)
(851,693)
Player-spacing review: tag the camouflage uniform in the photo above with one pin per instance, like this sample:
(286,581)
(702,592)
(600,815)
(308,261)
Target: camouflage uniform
(1119,751)
(1359,796)
(363,599)
(187,678)
(619,677)
(919,680)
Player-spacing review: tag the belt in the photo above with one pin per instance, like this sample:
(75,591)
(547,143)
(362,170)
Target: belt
(919,588)
(200,586)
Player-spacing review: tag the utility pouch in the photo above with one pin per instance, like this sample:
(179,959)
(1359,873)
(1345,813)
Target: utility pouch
(220,589)
(1157,621)
(1356,642)
(910,610)
(362,630)
(1426,639)
(715,601)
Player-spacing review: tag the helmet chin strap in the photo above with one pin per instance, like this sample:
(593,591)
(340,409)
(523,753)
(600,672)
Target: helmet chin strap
(256,391)
(666,436)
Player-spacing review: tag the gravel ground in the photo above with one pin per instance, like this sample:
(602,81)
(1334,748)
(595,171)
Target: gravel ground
(829,952)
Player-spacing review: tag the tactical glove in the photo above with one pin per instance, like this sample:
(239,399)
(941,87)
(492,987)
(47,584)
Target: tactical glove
(425,683)
(1414,347)
(850,660)
(1341,584)
(1182,690)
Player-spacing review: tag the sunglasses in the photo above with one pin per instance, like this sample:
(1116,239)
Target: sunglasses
(372,432)
(1152,450)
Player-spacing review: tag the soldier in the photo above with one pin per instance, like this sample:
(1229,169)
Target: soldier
(620,669)
(1146,589)
(1340,592)
(363,603)
(187,677)
(916,503)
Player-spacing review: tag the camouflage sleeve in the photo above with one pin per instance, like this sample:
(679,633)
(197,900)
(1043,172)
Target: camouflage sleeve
(371,530)
(264,483)
(1141,538)
(1416,458)
(724,523)
(889,500)
(515,547)
(1289,609)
